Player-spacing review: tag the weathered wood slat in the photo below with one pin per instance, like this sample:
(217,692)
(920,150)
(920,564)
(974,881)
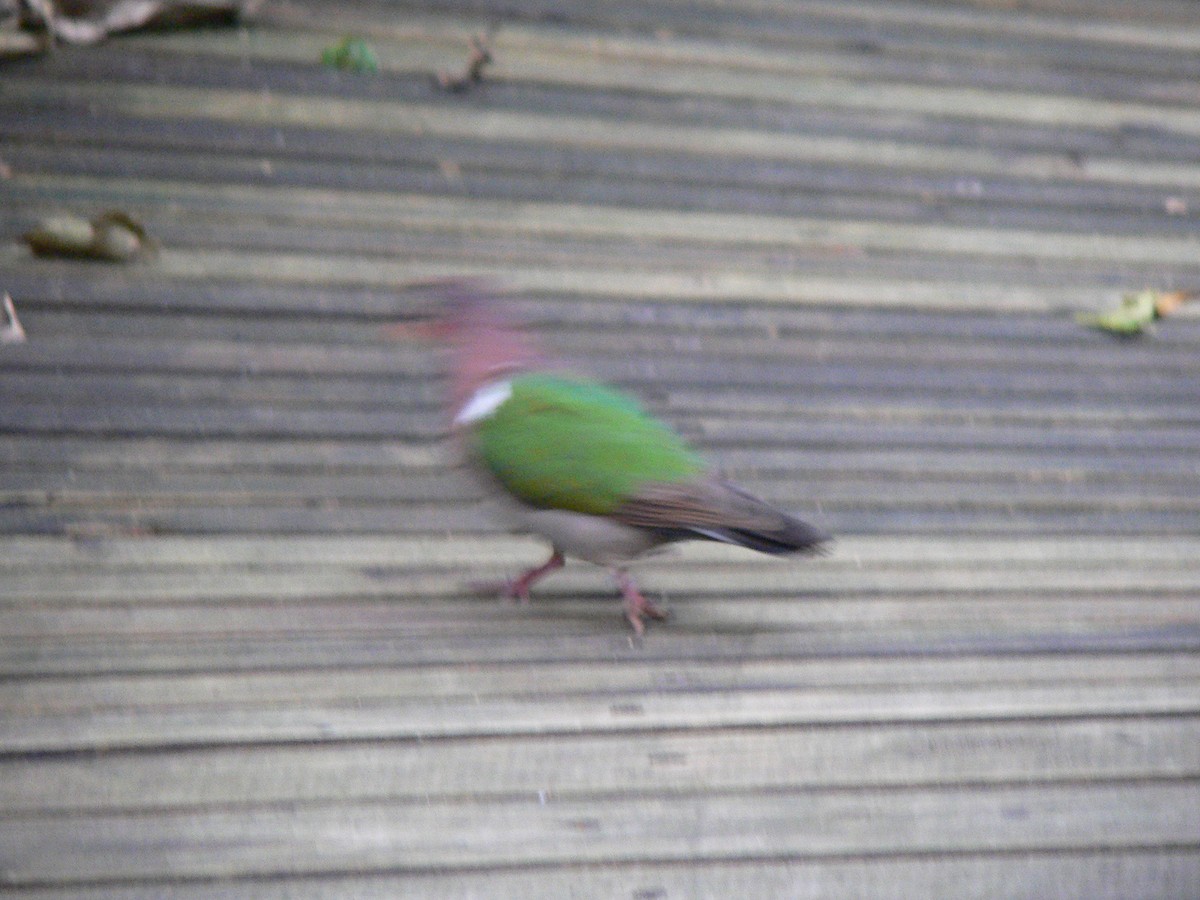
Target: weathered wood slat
(1075,349)
(389,836)
(462,215)
(423,44)
(795,198)
(389,457)
(83,488)
(125,730)
(894,28)
(997,616)
(426,518)
(859,402)
(519,126)
(1003,283)
(1065,874)
(235,151)
(83,491)
(401,382)
(759,577)
(23,551)
(151,693)
(105,731)
(799,192)
(814,366)
(217,420)
(577,635)
(995,752)
(209,454)
(733,285)
(309,632)
(101,290)
(834,90)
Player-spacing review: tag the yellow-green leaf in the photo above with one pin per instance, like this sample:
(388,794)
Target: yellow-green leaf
(1130,318)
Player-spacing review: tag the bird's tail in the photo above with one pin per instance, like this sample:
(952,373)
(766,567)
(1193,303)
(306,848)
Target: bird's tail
(719,511)
(796,537)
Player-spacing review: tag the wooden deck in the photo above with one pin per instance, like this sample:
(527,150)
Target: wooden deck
(840,245)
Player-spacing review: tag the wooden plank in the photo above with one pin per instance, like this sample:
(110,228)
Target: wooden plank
(149,693)
(95,291)
(462,215)
(544,637)
(71,493)
(253,107)
(387,457)
(415,380)
(806,194)
(1069,875)
(569,333)
(752,73)
(291,633)
(422,43)
(205,453)
(810,190)
(561,767)
(427,579)
(1024,475)
(854,563)
(710,432)
(108,731)
(723,286)
(427,836)
(900,28)
(1100,25)
(679,401)
(413,372)
(425,518)
(852,552)
(505,171)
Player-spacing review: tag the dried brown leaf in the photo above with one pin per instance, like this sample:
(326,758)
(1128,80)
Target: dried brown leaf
(1166,302)
(114,236)
(478,60)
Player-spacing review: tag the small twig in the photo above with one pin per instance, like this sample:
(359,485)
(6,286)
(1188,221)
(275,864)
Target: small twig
(480,59)
(12,332)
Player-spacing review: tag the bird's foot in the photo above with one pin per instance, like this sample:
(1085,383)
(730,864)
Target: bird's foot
(517,589)
(637,607)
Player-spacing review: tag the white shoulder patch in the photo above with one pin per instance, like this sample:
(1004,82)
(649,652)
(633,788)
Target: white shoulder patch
(484,402)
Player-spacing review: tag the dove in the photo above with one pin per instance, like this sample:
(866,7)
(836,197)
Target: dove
(585,466)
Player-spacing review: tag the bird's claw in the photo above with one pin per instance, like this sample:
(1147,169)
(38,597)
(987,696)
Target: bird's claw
(505,589)
(637,606)
(637,614)
(516,590)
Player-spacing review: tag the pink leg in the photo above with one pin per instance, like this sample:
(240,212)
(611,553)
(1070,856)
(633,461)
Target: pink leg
(518,588)
(636,605)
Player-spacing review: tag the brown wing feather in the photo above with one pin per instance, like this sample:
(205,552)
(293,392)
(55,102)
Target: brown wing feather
(718,511)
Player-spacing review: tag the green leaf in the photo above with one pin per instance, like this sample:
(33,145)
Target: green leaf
(350,54)
(1130,318)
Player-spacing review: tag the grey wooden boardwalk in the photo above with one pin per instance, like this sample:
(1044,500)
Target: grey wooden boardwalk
(840,245)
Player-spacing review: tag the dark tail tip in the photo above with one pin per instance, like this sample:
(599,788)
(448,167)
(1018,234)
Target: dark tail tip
(799,537)
(793,537)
